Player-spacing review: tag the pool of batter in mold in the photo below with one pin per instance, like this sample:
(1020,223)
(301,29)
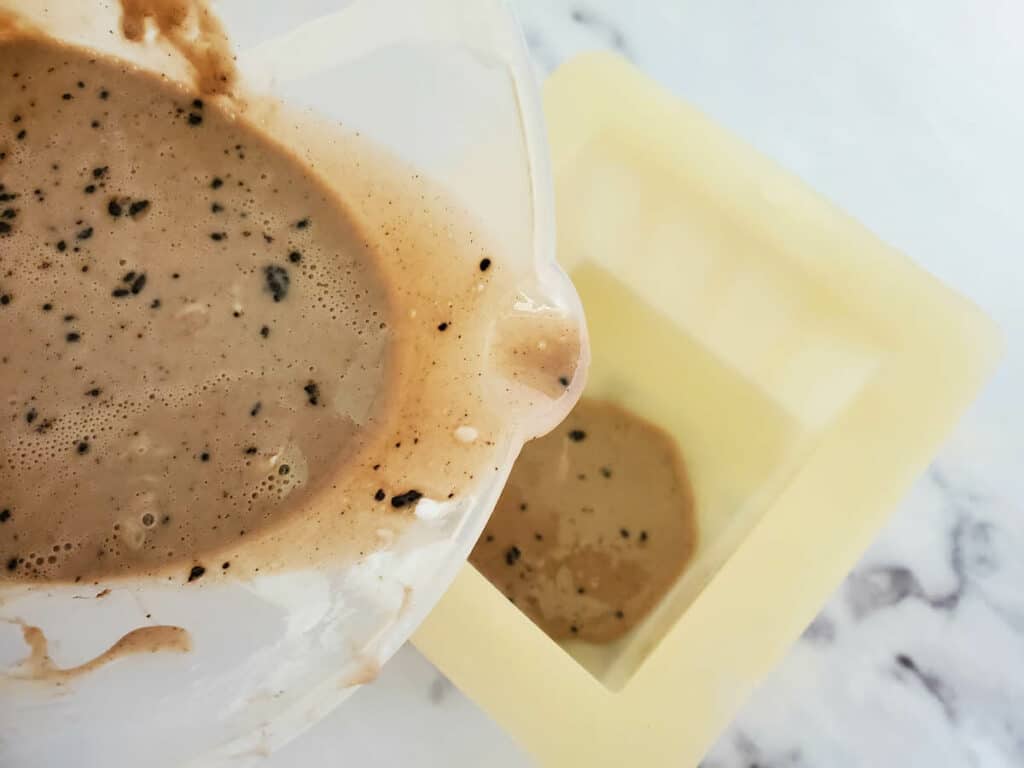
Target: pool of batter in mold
(595,525)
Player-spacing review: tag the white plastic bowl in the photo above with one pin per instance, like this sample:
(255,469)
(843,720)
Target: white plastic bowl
(446,86)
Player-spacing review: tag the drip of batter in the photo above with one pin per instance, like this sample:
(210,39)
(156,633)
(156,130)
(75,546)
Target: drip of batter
(156,639)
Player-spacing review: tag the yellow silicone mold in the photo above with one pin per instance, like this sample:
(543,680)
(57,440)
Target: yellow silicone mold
(807,370)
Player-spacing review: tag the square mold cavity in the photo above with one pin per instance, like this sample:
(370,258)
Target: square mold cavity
(740,441)
(807,371)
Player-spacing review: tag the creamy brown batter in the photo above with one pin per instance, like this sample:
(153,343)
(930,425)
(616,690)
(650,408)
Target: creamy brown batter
(595,525)
(211,361)
(164,267)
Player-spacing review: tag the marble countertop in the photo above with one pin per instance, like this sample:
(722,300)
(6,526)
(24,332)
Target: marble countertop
(909,116)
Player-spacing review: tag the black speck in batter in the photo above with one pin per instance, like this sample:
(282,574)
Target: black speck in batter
(138,207)
(405,499)
(312,393)
(277,280)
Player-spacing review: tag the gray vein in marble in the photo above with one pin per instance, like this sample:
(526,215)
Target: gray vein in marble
(821,631)
(604,28)
(872,589)
(931,682)
(753,756)
(970,554)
